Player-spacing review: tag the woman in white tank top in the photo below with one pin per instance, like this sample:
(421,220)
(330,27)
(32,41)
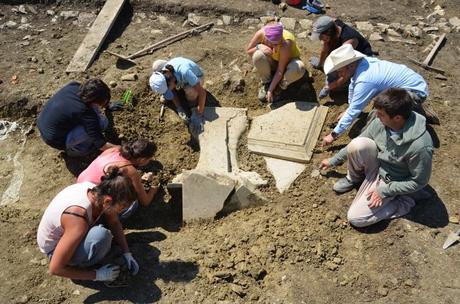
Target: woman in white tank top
(67,233)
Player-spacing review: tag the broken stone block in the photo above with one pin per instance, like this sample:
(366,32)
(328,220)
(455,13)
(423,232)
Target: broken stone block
(365,26)
(393,33)
(285,172)
(396,26)
(193,18)
(246,195)
(22,9)
(227,19)
(430,29)
(375,37)
(203,196)
(306,24)
(302,35)
(288,23)
(289,132)
(382,27)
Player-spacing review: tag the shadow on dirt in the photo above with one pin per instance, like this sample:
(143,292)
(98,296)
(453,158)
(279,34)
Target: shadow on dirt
(142,288)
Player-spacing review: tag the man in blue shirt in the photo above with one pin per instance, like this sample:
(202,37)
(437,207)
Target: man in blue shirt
(181,73)
(368,77)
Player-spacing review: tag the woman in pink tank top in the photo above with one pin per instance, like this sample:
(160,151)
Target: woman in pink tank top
(127,157)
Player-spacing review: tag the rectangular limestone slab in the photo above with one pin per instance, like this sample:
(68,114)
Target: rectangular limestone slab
(289,132)
(95,37)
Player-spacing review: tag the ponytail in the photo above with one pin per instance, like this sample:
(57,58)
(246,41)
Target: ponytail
(116,185)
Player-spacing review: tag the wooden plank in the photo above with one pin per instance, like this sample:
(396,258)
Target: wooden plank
(96,36)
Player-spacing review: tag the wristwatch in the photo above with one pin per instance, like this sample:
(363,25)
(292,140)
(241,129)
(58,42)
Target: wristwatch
(334,135)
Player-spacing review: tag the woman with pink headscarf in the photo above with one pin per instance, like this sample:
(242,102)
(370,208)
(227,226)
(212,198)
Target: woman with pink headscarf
(275,56)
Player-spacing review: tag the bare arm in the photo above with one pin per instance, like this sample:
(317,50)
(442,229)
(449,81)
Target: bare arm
(325,51)
(201,98)
(117,229)
(145,198)
(256,39)
(75,229)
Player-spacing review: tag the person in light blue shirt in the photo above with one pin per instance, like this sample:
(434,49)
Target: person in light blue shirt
(181,73)
(368,77)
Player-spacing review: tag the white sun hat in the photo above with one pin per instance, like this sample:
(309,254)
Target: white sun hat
(158,83)
(341,57)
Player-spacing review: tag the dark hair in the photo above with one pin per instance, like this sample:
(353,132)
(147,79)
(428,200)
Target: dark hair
(137,149)
(94,90)
(394,102)
(118,186)
(331,31)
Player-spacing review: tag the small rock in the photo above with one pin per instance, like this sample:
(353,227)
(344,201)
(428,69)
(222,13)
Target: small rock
(302,35)
(430,29)
(409,283)
(10,24)
(288,23)
(267,19)
(32,9)
(219,22)
(283,6)
(306,24)
(129,77)
(454,219)
(227,19)
(331,216)
(315,173)
(315,205)
(156,32)
(24,20)
(393,33)
(33,59)
(76,292)
(27,37)
(447,103)
(43,262)
(112,84)
(364,26)
(163,20)
(413,31)
(382,27)
(455,21)
(55,19)
(382,291)
(23,299)
(50,12)
(238,290)
(396,26)
(331,265)
(22,9)
(375,37)
(34,261)
(251,21)
(338,261)
(193,18)
(69,15)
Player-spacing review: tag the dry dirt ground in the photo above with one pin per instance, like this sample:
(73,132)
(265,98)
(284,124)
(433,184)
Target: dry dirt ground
(296,249)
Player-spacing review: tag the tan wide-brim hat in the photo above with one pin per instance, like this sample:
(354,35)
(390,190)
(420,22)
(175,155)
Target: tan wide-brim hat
(341,57)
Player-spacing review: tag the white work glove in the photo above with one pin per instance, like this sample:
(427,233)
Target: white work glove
(182,114)
(107,273)
(131,262)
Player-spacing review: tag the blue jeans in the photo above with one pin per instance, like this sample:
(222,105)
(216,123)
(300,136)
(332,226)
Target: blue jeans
(78,142)
(92,249)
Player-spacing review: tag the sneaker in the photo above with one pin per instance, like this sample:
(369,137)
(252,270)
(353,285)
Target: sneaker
(262,95)
(343,185)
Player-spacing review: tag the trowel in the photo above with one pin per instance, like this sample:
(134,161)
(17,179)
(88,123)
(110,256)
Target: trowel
(452,238)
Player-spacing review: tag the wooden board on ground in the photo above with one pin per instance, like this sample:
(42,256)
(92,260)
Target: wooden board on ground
(96,36)
(289,132)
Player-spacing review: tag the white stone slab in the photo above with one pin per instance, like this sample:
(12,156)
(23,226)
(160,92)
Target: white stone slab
(203,196)
(289,132)
(285,172)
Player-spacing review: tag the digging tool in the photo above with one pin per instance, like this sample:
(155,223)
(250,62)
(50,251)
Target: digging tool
(452,238)
(162,113)
(426,64)
(163,43)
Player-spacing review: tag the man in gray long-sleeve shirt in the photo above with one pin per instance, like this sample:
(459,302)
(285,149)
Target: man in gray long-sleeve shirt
(391,160)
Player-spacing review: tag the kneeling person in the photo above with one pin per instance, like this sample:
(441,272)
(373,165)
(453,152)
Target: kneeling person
(69,233)
(181,73)
(391,160)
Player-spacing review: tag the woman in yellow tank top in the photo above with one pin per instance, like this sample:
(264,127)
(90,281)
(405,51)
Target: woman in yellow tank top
(275,56)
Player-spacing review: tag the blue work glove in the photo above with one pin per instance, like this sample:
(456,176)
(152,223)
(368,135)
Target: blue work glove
(107,273)
(116,105)
(323,93)
(197,124)
(314,61)
(133,267)
(181,113)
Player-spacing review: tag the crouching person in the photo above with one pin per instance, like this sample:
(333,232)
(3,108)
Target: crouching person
(69,233)
(391,160)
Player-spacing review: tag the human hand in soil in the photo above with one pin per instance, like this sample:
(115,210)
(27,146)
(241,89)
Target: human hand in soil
(181,113)
(107,273)
(265,49)
(147,177)
(327,140)
(374,198)
(269,96)
(324,164)
(131,263)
